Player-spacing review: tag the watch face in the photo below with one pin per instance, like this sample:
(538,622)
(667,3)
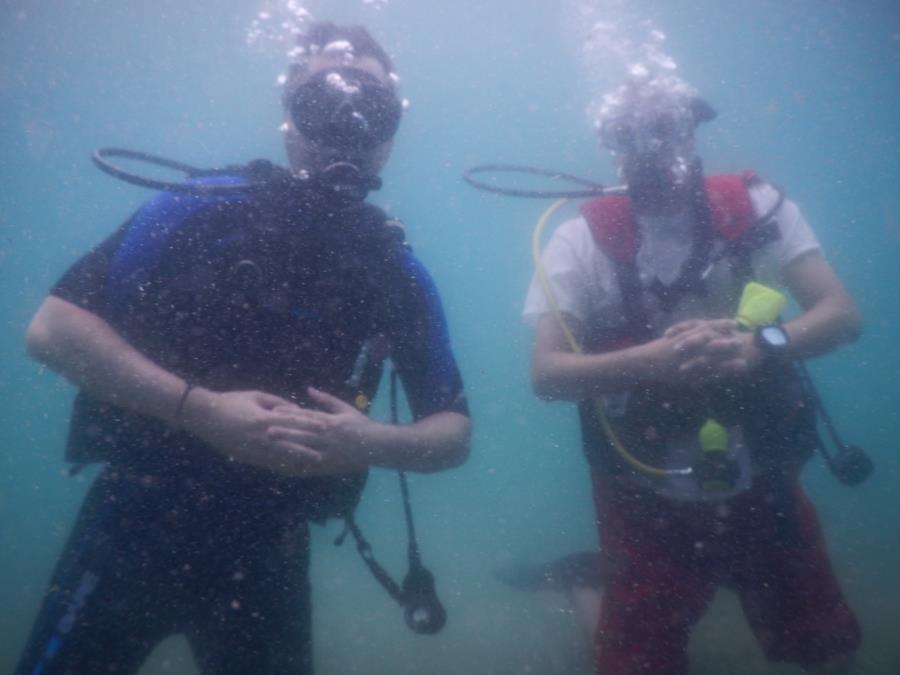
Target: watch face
(774,336)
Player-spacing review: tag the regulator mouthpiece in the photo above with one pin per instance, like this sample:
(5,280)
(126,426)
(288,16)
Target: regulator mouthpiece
(345,183)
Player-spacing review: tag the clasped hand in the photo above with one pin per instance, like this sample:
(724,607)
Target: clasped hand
(270,432)
(703,350)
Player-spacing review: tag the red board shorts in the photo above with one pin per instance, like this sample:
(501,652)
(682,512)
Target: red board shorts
(670,557)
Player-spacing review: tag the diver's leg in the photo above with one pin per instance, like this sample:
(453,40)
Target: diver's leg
(792,599)
(258,619)
(648,612)
(657,590)
(94,617)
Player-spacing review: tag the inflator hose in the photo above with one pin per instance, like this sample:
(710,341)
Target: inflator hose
(633,461)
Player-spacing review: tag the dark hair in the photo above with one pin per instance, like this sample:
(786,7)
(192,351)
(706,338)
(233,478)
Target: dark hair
(321,33)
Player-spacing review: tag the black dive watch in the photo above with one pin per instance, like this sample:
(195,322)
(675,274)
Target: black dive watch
(772,340)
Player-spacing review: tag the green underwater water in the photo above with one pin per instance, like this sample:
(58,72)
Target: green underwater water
(808,94)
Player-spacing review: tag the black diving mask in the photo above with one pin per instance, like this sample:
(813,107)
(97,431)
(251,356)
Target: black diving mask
(345,108)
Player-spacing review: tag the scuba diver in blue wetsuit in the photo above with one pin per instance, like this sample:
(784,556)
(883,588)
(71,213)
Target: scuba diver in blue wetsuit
(226,341)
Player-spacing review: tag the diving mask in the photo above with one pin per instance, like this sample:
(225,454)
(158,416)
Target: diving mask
(345,108)
(651,125)
(648,132)
(654,146)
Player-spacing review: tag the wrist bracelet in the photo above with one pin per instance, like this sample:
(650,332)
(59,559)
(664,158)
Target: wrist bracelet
(179,410)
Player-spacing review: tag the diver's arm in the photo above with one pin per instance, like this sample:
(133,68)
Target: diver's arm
(348,440)
(88,352)
(439,441)
(557,373)
(830,316)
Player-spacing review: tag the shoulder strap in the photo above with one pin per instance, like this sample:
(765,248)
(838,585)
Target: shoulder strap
(613,226)
(150,230)
(722,208)
(731,213)
(730,209)
(736,221)
(614,229)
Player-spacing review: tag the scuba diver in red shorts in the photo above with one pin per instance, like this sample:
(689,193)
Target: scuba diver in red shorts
(695,419)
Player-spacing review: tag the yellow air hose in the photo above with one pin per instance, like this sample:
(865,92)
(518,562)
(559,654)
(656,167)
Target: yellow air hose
(577,349)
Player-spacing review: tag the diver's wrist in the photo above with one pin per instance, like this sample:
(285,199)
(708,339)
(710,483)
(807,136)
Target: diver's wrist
(379,443)
(650,362)
(750,351)
(195,406)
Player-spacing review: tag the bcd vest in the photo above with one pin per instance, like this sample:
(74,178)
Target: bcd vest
(239,293)
(771,407)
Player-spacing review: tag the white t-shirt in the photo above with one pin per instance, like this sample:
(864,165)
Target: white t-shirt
(582,277)
(583,282)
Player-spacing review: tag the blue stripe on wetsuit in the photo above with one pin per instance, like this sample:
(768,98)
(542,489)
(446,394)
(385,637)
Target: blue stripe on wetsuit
(421,349)
(424,357)
(151,229)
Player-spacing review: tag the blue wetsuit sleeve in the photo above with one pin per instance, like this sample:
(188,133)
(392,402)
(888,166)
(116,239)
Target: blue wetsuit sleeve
(102,280)
(420,343)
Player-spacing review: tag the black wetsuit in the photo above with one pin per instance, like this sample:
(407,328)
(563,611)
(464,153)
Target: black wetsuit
(232,293)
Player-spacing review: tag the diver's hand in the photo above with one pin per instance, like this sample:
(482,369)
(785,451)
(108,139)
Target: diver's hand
(713,349)
(697,352)
(342,435)
(237,424)
(683,329)
(660,361)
